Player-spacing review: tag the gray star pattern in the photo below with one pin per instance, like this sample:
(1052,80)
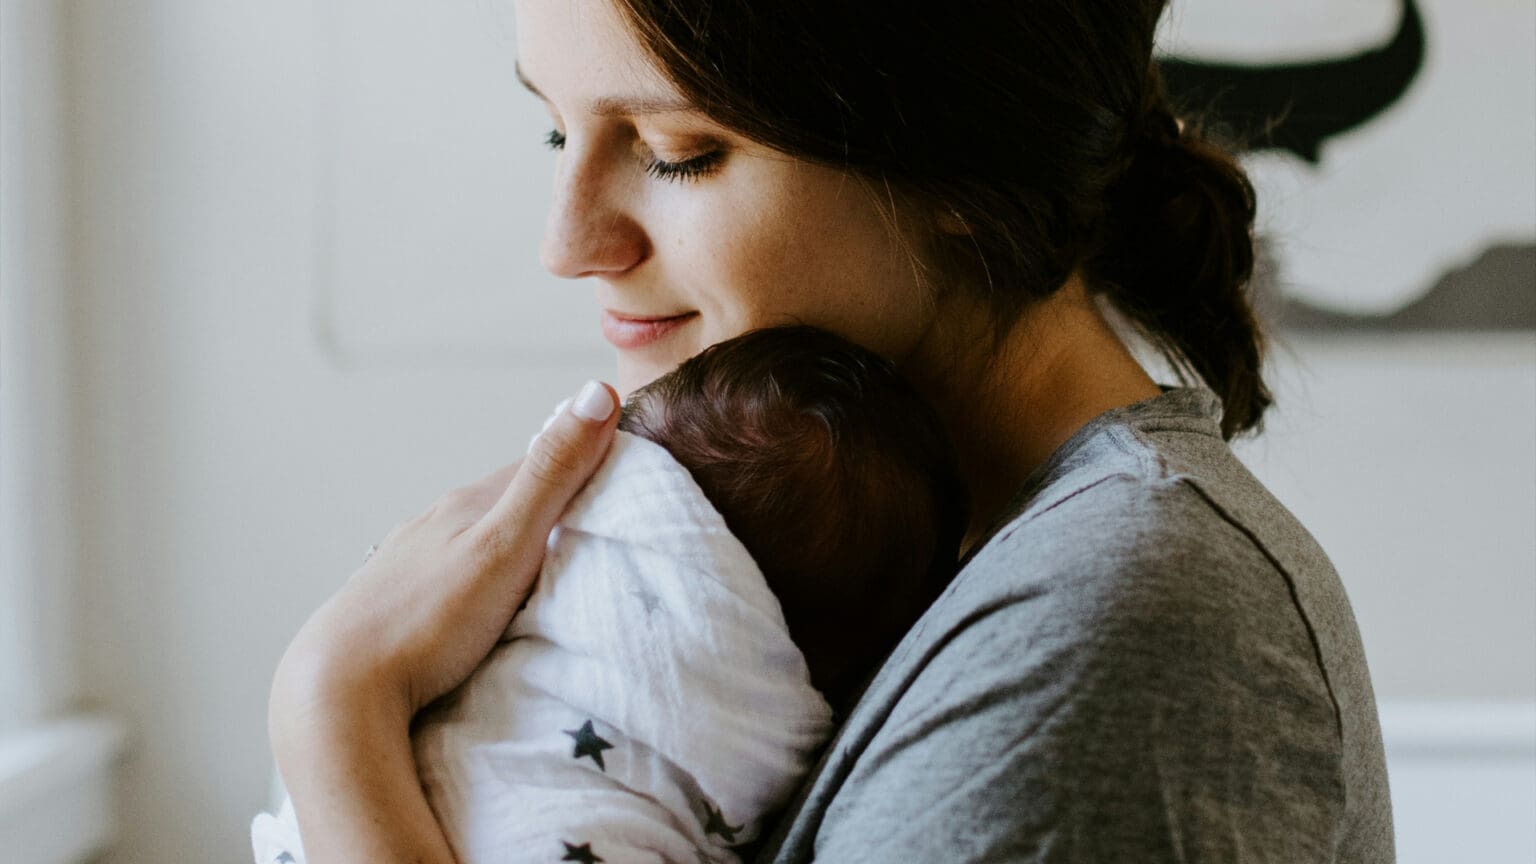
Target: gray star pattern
(715,824)
(650,601)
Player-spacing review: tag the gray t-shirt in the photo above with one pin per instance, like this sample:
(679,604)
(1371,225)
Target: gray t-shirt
(1150,660)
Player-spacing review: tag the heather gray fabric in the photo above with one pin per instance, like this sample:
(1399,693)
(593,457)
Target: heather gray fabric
(1149,661)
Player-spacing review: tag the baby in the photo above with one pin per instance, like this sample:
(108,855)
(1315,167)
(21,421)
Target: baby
(774,515)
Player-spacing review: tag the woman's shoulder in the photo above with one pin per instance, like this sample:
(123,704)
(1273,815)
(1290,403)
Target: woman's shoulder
(1151,492)
(1146,523)
(1146,574)
(1137,548)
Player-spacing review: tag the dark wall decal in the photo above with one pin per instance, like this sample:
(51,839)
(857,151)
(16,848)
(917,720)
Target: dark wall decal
(1397,191)
(1298,106)
(1497,291)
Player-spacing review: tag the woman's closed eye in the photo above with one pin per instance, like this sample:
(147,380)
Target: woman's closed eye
(687,169)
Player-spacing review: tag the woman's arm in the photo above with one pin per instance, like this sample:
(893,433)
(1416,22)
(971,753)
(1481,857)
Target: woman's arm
(409,625)
(350,773)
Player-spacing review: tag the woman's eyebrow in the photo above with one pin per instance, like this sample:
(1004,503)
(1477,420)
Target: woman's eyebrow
(612,106)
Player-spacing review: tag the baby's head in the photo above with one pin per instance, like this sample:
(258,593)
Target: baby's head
(832,471)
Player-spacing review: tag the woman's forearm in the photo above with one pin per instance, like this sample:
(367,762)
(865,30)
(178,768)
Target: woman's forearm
(349,769)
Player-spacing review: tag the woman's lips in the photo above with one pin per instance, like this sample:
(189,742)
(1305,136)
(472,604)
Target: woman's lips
(629,332)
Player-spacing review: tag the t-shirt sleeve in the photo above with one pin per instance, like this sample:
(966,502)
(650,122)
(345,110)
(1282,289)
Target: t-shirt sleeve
(1157,703)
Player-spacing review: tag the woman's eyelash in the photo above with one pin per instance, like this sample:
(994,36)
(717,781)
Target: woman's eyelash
(690,169)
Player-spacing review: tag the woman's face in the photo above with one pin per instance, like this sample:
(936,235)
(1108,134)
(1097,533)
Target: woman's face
(694,234)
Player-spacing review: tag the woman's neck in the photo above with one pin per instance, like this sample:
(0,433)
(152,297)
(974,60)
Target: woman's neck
(1060,366)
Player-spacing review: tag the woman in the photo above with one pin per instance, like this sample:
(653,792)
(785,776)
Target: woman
(1144,658)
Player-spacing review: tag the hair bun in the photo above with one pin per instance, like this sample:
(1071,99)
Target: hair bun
(1178,255)
(1158,164)
(1157,132)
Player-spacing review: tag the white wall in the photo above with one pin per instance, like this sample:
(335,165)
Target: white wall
(232,471)
(243,437)
(1412,458)
(36,557)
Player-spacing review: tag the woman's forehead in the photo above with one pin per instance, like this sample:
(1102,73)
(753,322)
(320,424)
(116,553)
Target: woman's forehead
(618,105)
(581,55)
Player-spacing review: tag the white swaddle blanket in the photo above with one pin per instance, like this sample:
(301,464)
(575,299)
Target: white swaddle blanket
(646,705)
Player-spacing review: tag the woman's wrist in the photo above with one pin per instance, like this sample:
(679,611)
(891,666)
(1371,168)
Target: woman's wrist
(344,751)
(306,704)
(319,690)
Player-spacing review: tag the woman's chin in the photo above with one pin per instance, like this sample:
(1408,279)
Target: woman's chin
(635,372)
(641,365)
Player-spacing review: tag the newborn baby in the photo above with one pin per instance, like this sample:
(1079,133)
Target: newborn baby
(772,518)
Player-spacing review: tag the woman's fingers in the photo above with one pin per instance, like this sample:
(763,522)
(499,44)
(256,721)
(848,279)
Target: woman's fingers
(558,464)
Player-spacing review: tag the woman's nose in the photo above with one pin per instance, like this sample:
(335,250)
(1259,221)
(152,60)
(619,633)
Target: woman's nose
(590,232)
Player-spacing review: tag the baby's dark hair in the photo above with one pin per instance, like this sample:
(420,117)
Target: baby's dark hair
(833,472)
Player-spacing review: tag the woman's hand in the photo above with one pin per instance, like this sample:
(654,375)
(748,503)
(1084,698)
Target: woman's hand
(419,615)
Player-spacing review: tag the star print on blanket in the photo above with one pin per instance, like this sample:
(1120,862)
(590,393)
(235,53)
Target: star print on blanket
(589,743)
(716,824)
(582,853)
(647,699)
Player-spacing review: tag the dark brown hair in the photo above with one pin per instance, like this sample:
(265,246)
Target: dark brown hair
(1042,128)
(832,471)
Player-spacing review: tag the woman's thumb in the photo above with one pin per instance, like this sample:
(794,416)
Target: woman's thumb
(559,462)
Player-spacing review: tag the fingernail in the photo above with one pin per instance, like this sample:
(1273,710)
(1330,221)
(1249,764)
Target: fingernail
(593,402)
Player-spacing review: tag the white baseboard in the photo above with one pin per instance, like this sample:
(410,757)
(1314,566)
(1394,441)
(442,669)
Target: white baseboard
(56,790)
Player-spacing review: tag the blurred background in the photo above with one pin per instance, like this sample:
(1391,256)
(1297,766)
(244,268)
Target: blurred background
(269,284)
